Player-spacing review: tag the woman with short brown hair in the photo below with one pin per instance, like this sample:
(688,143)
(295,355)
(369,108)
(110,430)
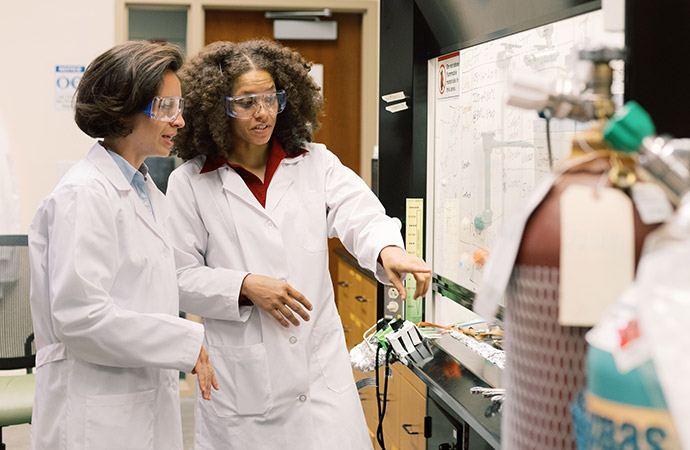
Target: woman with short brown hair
(104,297)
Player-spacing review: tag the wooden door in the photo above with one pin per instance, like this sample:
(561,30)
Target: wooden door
(342,71)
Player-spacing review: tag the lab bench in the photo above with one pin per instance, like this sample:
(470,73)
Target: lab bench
(430,405)
(471,420)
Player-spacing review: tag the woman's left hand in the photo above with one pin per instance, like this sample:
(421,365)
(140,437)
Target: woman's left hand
(205,374)
(396,262)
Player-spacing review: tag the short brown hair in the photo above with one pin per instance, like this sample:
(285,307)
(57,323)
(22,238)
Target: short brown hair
(120,83)
(211,75)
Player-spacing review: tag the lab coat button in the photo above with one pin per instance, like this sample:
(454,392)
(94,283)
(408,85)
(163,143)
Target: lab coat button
(302,398)
(293,339)
(269,224)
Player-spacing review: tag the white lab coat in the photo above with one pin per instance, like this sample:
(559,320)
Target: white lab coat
(281,388)
(105,309)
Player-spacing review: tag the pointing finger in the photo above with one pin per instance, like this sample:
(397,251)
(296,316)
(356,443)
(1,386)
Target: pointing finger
(394,278)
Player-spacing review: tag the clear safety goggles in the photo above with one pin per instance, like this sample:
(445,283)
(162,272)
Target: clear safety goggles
(165,109)
(246,106)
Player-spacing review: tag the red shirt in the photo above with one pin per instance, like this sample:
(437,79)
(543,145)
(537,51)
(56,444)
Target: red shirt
(253,182)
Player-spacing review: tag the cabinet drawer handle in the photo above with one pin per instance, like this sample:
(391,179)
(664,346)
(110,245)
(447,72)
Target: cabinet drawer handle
(408,431)
(343,284)
(361,299)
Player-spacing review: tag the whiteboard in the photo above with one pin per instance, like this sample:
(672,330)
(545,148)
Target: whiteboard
(484,157)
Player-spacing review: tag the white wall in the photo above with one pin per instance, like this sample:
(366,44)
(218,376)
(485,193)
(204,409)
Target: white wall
(35,37)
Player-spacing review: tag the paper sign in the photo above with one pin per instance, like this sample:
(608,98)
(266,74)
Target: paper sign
(414,239)
(597,252)
(448,76)
(66,80)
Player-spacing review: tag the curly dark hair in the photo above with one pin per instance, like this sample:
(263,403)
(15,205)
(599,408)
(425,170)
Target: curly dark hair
(120,83)
(211,75)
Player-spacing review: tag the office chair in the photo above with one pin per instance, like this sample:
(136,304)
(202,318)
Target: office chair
(17,347)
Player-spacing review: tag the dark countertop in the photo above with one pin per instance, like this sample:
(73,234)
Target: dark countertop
(450,369)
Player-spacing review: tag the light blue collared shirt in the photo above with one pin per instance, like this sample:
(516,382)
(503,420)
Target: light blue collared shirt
(136,178)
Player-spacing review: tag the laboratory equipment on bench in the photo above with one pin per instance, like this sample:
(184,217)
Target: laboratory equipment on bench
(398,338)
(384,343)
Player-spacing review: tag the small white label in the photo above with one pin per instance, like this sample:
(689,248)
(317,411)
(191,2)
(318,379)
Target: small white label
(631,356)
(394,97)
(396,107)
(597,252)
(651,203)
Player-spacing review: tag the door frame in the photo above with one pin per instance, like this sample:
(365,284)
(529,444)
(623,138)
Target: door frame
(370,46)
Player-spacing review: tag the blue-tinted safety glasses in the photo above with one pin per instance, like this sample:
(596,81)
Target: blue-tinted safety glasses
(246,106)
(165,109)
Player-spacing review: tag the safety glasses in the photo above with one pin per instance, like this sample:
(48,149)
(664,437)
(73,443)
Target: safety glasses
(246,106)
(165,109)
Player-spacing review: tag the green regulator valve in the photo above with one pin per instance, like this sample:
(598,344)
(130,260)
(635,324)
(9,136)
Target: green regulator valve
(628,127)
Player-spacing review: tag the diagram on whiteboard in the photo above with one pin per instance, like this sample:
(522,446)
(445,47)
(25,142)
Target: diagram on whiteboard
(487,156)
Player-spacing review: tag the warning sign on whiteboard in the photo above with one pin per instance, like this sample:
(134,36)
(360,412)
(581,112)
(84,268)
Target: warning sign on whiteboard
(448,76)
(66,80)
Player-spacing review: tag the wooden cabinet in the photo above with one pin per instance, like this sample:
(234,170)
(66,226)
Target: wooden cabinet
(356,300)
(411,408)
(403,425)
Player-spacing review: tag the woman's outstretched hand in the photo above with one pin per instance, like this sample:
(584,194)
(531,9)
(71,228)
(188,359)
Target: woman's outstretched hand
(397,262)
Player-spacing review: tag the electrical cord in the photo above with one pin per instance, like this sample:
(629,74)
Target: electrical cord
(381,403)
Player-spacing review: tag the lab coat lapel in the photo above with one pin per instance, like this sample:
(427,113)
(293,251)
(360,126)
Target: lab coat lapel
(235,186)
(280,184)
(160,209)
(283,178)
(104,162)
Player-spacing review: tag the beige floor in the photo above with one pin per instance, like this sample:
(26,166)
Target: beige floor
(17,437)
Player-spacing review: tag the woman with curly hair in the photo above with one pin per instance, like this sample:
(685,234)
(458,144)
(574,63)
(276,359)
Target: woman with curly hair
(253,207)
(104,298)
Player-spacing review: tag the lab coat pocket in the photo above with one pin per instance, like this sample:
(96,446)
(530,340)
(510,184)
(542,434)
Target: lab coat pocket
(310,218)
(242,374)
(122,421)
(331,352)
